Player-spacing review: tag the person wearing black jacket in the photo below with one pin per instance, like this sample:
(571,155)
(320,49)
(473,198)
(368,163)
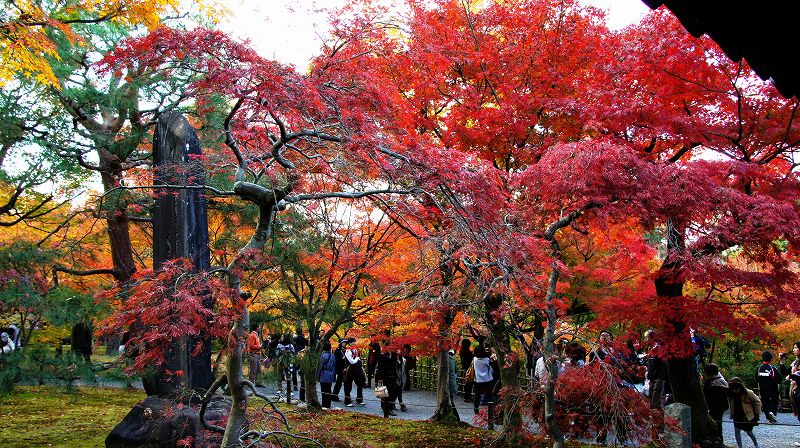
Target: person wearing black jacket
(373,354)
(411,364)
(341,363)
(715,390)
(466,356)
(657,373)
(768,381)
(389,364)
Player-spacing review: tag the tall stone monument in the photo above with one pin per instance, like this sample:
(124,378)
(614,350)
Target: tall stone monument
(180,230)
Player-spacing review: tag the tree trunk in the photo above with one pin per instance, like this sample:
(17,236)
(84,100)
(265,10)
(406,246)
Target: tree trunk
(683,376)
(117,220)
(501,337)
(446,411)
(550,354)
(309,366)
(237,417)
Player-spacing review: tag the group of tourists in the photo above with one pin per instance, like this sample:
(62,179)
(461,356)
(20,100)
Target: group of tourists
(343,367)
(744,405)
(390,368)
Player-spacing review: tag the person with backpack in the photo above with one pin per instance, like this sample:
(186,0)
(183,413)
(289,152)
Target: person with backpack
(326,374)
(769,380)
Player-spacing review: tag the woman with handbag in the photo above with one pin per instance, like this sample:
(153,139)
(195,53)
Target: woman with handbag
(387,382)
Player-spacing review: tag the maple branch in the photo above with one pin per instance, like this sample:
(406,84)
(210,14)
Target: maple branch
(169,187)
(30,214)
(275,409)
(683,150)
(341,194)
(79,273)
(204,404)
(231,142)
(564,221)
(58,227)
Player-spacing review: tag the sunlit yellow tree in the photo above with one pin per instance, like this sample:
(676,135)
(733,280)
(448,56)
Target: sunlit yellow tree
(27,29)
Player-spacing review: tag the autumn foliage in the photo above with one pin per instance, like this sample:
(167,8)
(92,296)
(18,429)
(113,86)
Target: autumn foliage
(160,308)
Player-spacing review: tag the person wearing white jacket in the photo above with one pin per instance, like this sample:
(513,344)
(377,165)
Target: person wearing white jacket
(483,379)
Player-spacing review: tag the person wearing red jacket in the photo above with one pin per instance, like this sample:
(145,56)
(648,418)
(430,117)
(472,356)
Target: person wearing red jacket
(254,350)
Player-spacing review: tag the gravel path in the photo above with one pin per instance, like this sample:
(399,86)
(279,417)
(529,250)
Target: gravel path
(421,404)
(781,435)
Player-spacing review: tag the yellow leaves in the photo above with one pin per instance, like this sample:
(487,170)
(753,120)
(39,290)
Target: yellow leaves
(25,43)
(24,52)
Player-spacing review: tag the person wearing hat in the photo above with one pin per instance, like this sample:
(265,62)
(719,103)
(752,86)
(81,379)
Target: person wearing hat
(769,380)
(745,408)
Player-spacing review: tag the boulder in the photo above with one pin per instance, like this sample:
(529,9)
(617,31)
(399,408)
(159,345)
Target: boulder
(163,423)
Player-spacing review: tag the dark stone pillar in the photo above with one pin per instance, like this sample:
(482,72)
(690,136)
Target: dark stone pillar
(180,230)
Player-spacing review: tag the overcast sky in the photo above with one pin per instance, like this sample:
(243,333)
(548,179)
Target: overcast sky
(289,30)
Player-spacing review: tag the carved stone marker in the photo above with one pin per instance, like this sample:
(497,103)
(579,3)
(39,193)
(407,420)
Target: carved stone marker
(683,414)
(180,230)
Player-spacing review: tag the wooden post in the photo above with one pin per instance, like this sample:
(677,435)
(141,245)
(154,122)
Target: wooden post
(180,230)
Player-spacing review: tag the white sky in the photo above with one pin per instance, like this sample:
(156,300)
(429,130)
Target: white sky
(289,30)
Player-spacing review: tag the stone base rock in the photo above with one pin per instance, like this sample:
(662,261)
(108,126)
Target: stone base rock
(161,423)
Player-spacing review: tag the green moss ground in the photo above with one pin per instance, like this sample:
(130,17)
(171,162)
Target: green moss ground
(45,416)
(33,416)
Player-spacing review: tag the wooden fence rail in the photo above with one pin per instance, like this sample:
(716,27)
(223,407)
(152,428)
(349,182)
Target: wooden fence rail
(424,376)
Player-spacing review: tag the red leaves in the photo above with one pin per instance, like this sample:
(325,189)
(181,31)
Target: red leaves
(168,305)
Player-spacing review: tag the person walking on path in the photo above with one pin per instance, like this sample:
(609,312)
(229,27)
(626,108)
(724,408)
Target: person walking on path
(715,389)
(341,364)
(401,375)
(373,353)
(410,364)
(386,375)
(465,356)
(326,374)
(768,386)
(254,350)
(353,373)
(745,409)
(483,382)
(284,353)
